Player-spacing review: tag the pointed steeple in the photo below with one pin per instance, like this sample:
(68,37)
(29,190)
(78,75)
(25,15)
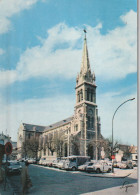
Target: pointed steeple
(85,74)
(85,66)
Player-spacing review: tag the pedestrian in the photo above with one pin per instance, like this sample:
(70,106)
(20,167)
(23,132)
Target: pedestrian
(25,179)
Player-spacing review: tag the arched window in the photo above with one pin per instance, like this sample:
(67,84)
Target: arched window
(81,94)
(92,95)
(88,122)
(88,91)
(92,122)
(29,135)
(76,127)
(78,96)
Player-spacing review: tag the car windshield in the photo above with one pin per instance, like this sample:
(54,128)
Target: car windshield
(72,159)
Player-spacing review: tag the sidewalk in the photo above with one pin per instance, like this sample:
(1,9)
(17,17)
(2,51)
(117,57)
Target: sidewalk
(120,173)
(119,190)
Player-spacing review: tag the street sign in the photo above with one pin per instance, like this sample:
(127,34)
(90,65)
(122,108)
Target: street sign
(8,148)
(113,157)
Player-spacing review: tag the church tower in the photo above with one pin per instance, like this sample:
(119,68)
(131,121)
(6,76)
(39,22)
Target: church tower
(86,107)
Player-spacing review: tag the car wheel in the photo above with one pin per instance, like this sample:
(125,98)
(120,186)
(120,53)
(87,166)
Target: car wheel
(98,171)
(109,170)
(73,168)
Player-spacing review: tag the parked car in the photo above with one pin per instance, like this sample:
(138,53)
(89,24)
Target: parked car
(115,164)
(119,164)
(31,161)
(55,163)
(109,163)
(72,162)
(3,161)
(99,167)
(22,159)
(14,167)
(41,161)
(84,166)
(61,164)
(90,167)
(49,163)
(134,163)
(126,165)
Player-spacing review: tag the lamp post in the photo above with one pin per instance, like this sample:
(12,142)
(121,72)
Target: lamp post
(112,126)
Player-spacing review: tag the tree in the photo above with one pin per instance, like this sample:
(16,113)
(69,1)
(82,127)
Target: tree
(55,142)
(59,143)
(49,142)
(34,145)
(24,149)
(101,142)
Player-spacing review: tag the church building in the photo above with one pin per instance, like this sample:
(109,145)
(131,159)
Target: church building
(77,130)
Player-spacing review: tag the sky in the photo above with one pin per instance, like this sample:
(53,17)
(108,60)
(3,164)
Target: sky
(41,45)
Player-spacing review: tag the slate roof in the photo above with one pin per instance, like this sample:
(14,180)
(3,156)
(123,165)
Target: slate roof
(58,124)
(38,128)
(32,127)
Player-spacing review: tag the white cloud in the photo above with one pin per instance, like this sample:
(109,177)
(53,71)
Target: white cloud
(34,111)
(115,54)
(9,8)
(49,110)
(112,56)
(7,77)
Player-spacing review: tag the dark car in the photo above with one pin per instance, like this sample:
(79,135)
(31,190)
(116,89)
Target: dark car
(14,167)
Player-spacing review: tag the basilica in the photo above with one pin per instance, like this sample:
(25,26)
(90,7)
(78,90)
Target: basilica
(77,130)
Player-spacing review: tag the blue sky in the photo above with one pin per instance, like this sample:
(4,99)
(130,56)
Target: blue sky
(40,55)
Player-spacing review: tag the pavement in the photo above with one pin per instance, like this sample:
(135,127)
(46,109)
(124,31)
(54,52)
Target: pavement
(118,173)
(126,188)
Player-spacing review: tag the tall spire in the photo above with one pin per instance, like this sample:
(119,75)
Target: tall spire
(85,66)
(85,72)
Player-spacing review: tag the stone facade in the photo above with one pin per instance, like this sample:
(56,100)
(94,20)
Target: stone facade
(84,124)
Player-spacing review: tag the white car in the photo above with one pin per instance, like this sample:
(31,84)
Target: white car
(84,166)
(13,167)
(61,164)
(99,167)
(126,165)
(90,167)
(41,161)
(31,160)
(55,163)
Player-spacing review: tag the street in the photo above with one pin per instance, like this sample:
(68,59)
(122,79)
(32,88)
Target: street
(54,181)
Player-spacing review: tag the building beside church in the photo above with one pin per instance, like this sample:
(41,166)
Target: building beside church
(83,126)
